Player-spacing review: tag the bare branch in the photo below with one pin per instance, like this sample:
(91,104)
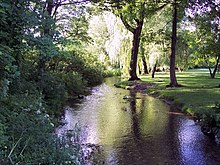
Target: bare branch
(56,8)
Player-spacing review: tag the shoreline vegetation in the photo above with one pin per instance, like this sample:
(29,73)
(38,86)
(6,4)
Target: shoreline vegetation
(198,95)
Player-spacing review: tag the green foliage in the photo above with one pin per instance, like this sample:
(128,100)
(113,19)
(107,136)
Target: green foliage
(8,71)
(27,134)
(45,47)
(74,23)
(53,90)
(74,83)
(93,75)
(38,72)
(26,130)
(135,10)
(79,62)
(112,72)
(204,40)
(6,63)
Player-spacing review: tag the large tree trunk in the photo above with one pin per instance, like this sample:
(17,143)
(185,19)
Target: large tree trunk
(173,81)
(134,53)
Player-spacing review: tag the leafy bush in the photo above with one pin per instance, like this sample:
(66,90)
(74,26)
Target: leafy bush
(27,134)
(52,88)
(92,75)
(54,92)
(74,83)
(83,64)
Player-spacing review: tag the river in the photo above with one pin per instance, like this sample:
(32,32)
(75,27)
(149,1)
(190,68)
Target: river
(136,129)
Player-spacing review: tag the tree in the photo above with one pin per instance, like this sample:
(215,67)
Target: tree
(12,37)
(205,16)
(178,10)
(137,20)
(173,81)
(28,41)
(155,39)
(132,14)
(143,59)
(47,14)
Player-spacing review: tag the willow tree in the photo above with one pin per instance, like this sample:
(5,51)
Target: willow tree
(132,15)
(137,19)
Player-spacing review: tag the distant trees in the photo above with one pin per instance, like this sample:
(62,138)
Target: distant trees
(135,15)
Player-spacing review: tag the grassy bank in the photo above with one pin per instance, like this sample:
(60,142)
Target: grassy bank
(199,96)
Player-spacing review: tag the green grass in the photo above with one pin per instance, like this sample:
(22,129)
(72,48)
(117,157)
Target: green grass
(198,96)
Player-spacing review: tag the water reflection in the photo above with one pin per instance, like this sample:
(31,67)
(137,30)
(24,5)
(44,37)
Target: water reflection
(134,115)
(193,145)
(139,130)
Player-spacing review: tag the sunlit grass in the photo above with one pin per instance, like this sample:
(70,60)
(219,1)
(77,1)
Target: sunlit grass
(198,95)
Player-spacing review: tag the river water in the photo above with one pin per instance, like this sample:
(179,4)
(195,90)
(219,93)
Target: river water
(136,129)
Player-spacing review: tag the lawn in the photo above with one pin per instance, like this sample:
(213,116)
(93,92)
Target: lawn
(199,96)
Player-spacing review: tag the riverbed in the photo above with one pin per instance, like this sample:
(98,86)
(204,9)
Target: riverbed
(137,129)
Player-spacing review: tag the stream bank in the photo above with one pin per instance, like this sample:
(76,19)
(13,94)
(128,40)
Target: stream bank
(133,128)
(210,123)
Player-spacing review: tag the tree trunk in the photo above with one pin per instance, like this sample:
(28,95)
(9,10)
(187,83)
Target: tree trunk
(134,53)
(139,69)
(143,60)
(144,65)
(216,67)
(154,69)
(173,81)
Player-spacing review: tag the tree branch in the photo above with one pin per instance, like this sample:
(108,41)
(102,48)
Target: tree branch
(161,7)
(126,24)
(56,8)
(72,3)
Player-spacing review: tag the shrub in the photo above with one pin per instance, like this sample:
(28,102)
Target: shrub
(74,83)
(92,75)
(54,92)
(85,65)
(27,134)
